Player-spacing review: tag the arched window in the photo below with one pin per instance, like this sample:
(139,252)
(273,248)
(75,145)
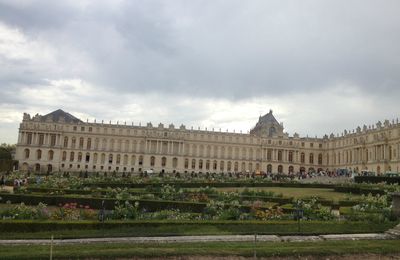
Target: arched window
(320,159)
(200,164)
(125,159)
(96,143)
(229,166)
(244,153)
(95,158)
(79,157)
(126,146)
(290,156)
(311,158)
(64,156)
(302,158)
(81,142)
(152,161)
(269,154)
(174,162)
(186,163)
(280,169)
(103,158)
(51,155)
(280,156)
(110,159)
(236,167)
(133,160)
(71,156)
(250,167)
(215,165)
(37,167)
(163,162)
(243,168)
(118,158)
(89,144)
(291,169)
(223,152)
(207,165)
(221,166)
(87,157)
(208,151)
(140,160)
(269,168)
(193,163)
(73,143)
(39,154)
(26,153)
(65,142)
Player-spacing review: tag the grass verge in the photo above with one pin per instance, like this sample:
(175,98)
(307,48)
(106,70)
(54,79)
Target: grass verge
(215,249)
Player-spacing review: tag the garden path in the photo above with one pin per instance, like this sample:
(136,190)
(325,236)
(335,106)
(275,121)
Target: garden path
(196,239)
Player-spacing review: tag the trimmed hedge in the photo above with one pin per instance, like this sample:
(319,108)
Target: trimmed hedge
(96,203)
(278,200)
(109,204)
(210,184)
(377,179)
(249,227)
(359,190)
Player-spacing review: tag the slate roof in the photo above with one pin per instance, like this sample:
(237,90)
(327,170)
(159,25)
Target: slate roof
(268,118)
(56,115)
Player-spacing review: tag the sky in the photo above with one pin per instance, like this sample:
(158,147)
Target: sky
(321,66)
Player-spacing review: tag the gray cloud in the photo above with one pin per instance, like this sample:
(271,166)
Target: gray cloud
(233,49)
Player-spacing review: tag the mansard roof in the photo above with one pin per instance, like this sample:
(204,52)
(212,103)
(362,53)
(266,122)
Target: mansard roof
(59,113)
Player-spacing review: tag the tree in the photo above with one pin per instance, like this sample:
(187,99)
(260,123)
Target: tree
(6,150)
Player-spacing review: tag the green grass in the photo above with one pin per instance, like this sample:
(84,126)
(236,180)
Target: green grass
(215,249)
(329,194)
(45,229)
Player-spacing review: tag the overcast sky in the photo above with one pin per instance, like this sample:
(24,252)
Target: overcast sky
(321,66)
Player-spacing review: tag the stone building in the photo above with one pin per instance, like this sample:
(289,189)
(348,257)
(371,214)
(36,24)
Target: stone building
(59,141)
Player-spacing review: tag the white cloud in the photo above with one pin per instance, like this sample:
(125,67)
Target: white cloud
(14,45)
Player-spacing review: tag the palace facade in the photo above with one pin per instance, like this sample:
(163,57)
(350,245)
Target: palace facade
(59,141)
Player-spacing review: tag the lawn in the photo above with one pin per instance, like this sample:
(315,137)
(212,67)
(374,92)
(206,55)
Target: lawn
(215,249)
(85,229)
(329,194)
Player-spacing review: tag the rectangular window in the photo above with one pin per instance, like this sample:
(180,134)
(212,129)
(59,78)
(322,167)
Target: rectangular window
(41,139)
(29,138)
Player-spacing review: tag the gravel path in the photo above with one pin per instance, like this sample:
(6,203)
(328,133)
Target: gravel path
(193,239)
